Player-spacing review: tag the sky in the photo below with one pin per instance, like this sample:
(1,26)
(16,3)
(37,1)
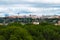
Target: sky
(27,7)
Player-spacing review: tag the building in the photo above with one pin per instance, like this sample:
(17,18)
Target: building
(35,22)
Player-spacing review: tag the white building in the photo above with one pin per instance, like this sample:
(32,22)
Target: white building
(35,22)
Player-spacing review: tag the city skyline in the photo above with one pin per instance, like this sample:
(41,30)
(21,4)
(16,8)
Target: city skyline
(27,7)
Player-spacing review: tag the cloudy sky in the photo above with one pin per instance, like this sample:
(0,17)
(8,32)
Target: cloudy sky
(26,7)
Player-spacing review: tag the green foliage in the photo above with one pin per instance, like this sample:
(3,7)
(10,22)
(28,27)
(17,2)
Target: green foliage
(2,37)
(43,31)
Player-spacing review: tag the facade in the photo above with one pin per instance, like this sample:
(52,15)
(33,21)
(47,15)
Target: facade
(35,22)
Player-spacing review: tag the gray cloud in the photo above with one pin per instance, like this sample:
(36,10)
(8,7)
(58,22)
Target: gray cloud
(31,4)
(9,3)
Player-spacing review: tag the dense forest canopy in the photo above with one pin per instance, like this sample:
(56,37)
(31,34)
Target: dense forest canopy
(17,31)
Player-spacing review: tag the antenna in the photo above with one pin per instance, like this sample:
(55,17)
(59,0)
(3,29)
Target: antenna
(18,13)
(6,15)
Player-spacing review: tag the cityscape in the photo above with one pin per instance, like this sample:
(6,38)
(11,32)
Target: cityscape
(29,19)
(34,19)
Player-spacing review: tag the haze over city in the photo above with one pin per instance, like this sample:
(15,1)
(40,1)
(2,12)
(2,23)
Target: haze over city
(27,7)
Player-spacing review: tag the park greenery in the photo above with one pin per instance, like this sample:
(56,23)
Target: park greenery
(17,31)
